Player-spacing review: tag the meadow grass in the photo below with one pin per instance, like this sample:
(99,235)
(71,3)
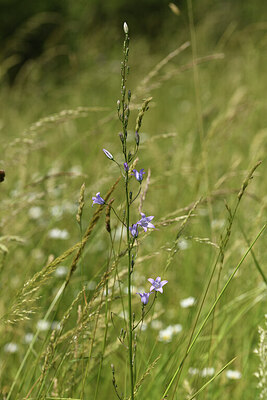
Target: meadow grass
(64,291)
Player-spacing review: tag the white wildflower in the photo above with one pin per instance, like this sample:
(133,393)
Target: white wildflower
(35,212)
(188,302)
(233,374)
(183,244)
(28,337)
(177,328)
(56,325)
(56,211)
(61,271)
(43,325)
(207,372)
(11,347)
(165,335)
(57,233)
(193,371)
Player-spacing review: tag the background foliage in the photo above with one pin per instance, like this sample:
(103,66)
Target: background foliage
(60,81)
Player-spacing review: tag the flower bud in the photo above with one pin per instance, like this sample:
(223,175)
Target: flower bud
(108,154)
(125,28)
(121,137)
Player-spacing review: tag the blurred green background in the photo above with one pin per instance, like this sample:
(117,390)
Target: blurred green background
(61,55)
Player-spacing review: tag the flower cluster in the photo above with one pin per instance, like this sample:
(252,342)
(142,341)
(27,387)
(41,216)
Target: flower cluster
(156,285)
(144,222)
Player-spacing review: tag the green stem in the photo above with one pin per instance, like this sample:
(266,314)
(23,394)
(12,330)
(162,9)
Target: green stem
(130,332)
(104,341)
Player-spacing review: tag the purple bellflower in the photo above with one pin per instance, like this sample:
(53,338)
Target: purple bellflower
(108,154)
(98,199)
(126,167)
(144,297)
(139,175)
(145,222)
(157,284)
(134,230)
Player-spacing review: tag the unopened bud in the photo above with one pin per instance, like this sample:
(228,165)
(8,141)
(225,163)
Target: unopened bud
(108,154)
(121,137)
(125,28)
(118,105)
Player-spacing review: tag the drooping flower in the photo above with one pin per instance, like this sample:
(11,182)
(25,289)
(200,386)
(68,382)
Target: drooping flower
(145,222)
(157,284)
(98,199)
(126,167)
(134,230)
(108,154)
(144,297)
(139,175)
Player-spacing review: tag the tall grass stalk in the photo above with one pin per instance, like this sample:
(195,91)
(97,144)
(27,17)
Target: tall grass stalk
(124,120)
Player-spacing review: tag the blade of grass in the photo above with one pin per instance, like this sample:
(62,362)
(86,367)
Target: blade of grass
(257,265)
(212,379)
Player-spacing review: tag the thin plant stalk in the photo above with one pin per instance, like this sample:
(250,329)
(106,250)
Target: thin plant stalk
(124,116)
(130,332)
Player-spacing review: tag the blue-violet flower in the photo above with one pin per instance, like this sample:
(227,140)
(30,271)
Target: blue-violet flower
(157,284)
(144,297)
(98,199)
(134,230)
(139,175)
(145,222)
(126,167)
